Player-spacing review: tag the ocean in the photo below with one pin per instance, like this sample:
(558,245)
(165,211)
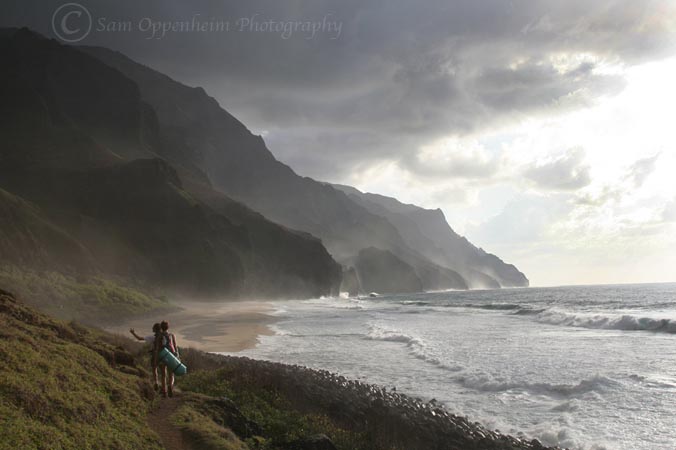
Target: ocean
(583,367)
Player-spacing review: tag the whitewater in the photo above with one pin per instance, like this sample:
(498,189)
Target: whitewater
(582,367)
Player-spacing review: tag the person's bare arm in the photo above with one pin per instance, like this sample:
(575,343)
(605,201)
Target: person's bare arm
(131,330)
(173,338)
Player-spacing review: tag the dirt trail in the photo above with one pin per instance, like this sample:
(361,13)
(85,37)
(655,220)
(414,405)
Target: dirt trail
(159,420)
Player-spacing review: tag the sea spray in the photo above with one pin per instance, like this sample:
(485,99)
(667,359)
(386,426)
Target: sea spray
(607,321)
(582,367)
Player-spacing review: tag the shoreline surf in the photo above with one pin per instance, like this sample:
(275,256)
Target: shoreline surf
(211,327)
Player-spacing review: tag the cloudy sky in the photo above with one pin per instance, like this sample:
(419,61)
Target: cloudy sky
(543,129)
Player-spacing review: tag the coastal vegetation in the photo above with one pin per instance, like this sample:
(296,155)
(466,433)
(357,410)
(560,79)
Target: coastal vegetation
(67,386)
(89,299)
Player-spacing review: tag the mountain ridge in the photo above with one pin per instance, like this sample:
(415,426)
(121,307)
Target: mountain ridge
(88,124)
(239,164)
(428,231)
(83,148)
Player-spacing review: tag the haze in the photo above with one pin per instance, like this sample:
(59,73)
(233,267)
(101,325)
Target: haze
(543,130)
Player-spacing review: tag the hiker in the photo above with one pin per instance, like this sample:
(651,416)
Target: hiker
(150,339)
(165,340)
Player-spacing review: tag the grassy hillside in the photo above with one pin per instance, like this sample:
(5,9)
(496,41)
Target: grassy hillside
(27,237)
(57,272)
(65,387)
(88,299)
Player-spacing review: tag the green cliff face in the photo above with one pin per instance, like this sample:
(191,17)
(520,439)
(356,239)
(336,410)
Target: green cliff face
(381,271)
(207,143)
(152,179)
(82,169)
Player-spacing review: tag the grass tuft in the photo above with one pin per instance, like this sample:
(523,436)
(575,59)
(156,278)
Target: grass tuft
(202,430)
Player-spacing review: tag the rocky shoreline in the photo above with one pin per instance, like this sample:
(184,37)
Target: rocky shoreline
(394,420)
(225,402)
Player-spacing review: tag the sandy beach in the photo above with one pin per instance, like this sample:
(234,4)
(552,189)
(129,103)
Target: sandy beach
(211,327)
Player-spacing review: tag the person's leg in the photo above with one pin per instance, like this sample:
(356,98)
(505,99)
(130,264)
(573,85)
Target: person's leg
(153,371)
(163,374)
(171,383)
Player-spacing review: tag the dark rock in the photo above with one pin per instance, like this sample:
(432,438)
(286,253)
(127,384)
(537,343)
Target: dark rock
(130,370)
(536,445)
(316,442)
(107,354)
(123,357)
(6,294)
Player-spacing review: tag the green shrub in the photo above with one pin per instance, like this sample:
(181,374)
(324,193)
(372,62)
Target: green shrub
(280,422)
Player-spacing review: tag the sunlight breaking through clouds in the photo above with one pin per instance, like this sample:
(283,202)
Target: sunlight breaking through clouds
(598,179)
(561,110)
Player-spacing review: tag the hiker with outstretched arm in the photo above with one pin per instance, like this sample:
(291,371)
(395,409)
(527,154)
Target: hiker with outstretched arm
(150,339)
(165,340)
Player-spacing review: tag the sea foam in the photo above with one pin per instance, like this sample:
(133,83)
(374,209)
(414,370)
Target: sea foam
(417,346)
(607,321)
(487,384)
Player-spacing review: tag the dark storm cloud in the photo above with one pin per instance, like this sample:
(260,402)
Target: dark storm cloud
(399,74)
(536,85)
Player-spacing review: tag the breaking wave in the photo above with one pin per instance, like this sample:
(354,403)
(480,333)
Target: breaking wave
(497,306)
(487,306)
(336,303)
(597,383)
(417,347)
(607,322)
